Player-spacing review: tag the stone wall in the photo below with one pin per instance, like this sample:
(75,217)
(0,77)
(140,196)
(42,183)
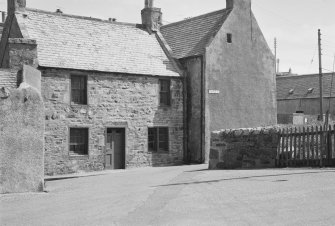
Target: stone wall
(21,139)
(114,100)
(244,148)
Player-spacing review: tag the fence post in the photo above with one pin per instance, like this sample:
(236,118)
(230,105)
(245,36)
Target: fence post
(321,146)
(312,146)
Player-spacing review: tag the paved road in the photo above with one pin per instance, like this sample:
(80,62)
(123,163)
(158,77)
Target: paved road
(183,195)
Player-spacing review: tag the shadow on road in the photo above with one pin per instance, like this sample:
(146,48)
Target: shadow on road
(243,178)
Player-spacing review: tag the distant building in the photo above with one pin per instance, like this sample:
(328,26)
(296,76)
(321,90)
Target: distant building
(300,93)
(121,95)
(289,73)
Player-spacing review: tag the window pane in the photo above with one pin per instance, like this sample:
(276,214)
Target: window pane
(79,141)
(164,92)
(152,139)
(79,89)
(164,139)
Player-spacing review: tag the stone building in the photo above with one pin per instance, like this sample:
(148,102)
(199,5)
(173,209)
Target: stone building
(113,94)
(121,95)
(300,93)
(230,73)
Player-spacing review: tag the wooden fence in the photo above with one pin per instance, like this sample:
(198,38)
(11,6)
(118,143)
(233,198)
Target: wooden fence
(306,146)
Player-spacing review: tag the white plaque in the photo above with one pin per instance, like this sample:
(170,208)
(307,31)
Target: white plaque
(211,91)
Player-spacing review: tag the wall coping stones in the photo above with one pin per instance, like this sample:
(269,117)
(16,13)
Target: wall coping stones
(22,41)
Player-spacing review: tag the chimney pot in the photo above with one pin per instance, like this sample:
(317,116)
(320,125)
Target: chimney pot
(149,4)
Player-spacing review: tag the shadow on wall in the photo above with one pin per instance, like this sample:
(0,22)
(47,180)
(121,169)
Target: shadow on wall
(166,136)
(22,136)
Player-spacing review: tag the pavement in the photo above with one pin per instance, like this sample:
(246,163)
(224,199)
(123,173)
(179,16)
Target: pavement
(181,195)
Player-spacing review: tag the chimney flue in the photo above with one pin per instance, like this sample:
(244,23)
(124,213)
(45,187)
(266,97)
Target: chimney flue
(149,4)
(240,4)
(151,17)
(15,5)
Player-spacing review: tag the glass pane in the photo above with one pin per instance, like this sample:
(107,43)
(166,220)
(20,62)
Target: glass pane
(164,139)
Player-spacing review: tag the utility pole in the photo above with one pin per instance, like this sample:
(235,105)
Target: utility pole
(276,56)
(320,76)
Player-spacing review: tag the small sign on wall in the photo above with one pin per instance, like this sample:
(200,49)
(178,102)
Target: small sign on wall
(211,91)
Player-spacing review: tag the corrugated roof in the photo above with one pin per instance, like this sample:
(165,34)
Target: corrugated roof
(299,86)
(74,42)
(190,37)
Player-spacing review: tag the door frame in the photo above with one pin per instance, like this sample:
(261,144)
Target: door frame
(116,126)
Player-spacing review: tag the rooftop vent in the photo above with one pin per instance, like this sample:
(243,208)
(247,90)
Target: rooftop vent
(291,91)
(111,19)
(59,11)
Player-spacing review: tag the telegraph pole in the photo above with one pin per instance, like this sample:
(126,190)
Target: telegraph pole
(276,56)
(320,76)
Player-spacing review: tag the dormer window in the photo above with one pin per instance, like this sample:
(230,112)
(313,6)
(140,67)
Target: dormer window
(229,38)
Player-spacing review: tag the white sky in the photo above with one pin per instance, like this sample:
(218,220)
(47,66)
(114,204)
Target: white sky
(293,22)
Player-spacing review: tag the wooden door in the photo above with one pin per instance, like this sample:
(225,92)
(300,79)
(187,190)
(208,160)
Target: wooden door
(115,148)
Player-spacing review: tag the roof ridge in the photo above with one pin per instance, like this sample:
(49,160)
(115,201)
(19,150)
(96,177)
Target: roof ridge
(196,17)
(79,17)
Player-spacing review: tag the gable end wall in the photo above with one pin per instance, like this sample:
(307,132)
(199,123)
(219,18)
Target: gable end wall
(243,74)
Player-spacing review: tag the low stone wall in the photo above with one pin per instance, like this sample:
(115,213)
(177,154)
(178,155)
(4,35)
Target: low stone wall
(22,138)
(244,148)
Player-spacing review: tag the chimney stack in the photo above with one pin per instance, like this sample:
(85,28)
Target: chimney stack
(15,5)
(240,4)
(151,16)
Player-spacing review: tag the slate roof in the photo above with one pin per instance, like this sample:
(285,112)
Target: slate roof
(74,42)
(300,85)
(190,37)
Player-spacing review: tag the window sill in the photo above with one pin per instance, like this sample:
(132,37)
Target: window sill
(165,106)
(79,156)
(79,105)
(159,152)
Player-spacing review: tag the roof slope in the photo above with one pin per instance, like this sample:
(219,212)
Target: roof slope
(75,42)
(190,37)
(300,85)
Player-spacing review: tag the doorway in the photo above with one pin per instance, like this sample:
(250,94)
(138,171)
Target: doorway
(115,157)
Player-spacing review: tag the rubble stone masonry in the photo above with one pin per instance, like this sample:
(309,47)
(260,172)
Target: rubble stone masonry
(244,148)
(114,100)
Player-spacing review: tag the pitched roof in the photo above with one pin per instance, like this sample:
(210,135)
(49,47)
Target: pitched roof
(82,43)
(299,86)
(190,37)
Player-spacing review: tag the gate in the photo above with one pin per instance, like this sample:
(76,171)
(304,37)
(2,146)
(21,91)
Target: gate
(306,146)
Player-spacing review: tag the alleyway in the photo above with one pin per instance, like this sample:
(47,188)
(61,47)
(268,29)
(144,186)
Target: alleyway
(183,195)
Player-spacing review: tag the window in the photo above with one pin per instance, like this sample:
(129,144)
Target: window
(158,139)
(164,92)
(78,141)
(78,90)
(229,38)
